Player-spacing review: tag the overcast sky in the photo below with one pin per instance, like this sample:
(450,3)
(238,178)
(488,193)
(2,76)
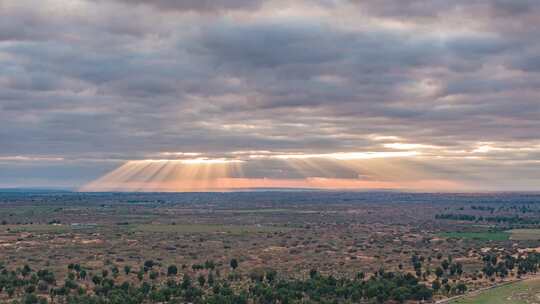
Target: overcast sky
(432,90)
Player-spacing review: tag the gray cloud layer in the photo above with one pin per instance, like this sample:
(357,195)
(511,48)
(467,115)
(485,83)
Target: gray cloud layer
(96,80)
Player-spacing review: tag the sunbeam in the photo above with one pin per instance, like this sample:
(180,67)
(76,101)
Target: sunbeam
(351,171)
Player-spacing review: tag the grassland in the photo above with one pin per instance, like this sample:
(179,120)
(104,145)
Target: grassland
(37,228)
(524,292)
(481,236)
(525,234)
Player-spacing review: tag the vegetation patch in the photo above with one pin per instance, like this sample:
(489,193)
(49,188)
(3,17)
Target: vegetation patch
(481,236)
(112,285)
(41,228)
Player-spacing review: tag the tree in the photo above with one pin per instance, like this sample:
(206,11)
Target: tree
(234,264)
(493,259)
(439,272)
(401,294)
(186,282)
(459,269)
(10,291)
(445,264)
(46,275)
(43,286)
(172,270)
(115,271)
(461,288)
(26,270)
(140,275)
(209,265)
(211,279)
(501,269)
(30,299)
(488,270)
(271,275)
(417,264)
(70,284)
(201,280)
(509,262)
(127,269)
(447,288)
(30,289)
(145,288)
(148,264)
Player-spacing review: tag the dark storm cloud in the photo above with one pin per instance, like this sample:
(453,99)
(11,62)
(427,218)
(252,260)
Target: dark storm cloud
(127,79)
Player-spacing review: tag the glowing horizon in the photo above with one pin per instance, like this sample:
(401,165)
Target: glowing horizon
(311,171)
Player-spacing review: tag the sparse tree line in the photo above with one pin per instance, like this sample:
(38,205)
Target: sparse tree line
(455,217)
(494,219)
(155,283)
(500,267)
(447,270)
(484,208)
(152,283)
(515,208)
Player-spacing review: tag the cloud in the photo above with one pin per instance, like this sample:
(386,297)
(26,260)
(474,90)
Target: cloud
(198,5)
(121,80)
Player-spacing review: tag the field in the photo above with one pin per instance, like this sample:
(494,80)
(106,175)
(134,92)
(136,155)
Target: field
(525,234)
(524,292)
(481,236)
(448,243)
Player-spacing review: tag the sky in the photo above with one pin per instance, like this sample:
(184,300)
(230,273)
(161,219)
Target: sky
(164,95)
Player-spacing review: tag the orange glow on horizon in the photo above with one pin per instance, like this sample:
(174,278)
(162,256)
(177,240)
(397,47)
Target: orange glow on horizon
(202,174)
